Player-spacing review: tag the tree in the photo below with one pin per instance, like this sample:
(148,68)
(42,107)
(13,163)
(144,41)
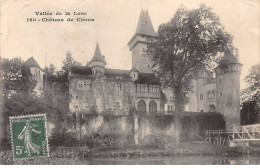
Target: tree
(189,42)
(250,97)
(69,61)
(17,85)
(50,70)
(16,77)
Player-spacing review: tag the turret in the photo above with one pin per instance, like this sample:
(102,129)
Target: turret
(98,63)
(134,74)
(228,89)
(37,74)
(138,43)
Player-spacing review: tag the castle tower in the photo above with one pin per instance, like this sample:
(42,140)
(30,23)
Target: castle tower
(98,63)
(138,43)
(228,89)
(37,74)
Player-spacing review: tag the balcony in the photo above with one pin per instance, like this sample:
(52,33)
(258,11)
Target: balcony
(148,94)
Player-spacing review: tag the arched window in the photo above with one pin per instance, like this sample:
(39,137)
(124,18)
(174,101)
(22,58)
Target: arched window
(152,108)
(142,107)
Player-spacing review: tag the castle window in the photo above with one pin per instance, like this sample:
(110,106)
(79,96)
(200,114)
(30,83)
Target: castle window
(150,88)
(118,86)
(144,88)
(118,77)
(170,108)
(211,95)
(86,85)
(148,66)
(219,80)
(201,96)
(77,97)
(116,106)
(80,85)
(220,93)
(154,88)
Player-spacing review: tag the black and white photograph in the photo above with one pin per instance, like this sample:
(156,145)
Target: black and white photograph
(120,82)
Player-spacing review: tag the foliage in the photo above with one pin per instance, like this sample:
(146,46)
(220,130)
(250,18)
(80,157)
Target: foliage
(252,92)
(188,43)
(50,70)
(69,61)
(16,77)
(250,97)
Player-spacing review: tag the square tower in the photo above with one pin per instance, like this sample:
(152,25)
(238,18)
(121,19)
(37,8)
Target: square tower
(144,33)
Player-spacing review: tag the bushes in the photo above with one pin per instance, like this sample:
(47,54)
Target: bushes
(157,140)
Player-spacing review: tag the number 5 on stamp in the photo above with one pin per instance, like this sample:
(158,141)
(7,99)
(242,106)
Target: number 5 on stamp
(29,136)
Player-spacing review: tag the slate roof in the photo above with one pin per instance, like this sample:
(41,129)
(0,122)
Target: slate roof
(134,70)
(228,59)
(97,55)
(82,70)
(145,26)
(143,78)
(147,78)
(31,62)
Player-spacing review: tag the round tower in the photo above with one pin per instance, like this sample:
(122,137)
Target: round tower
(98,63)
(228,89)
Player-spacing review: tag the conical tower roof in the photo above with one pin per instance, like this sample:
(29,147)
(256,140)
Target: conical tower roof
(31,62)
(145,26)
(228,58)
(98,56)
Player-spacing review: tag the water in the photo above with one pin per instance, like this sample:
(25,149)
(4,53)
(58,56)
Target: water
(184,160)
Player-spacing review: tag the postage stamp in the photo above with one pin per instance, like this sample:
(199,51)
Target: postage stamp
(29,136)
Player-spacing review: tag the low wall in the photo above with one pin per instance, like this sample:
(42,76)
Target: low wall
(119,130)
(123,129)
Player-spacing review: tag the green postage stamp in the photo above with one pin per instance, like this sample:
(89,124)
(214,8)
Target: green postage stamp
(29,136)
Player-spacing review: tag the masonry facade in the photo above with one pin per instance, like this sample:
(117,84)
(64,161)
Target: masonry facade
(120,90)
(132,102)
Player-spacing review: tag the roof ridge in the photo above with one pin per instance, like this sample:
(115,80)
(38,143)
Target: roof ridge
(97,55)
(31,62)
(145,26)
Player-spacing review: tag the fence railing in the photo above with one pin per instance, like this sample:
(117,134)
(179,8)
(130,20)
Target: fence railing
(239,133)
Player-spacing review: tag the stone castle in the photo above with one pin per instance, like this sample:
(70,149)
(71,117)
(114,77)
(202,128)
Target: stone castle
(95,88)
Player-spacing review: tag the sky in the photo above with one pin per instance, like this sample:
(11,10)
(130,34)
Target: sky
(114,25)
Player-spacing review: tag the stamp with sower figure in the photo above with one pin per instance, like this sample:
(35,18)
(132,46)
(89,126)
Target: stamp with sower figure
(29,136)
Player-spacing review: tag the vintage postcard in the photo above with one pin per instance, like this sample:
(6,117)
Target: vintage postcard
(154,82)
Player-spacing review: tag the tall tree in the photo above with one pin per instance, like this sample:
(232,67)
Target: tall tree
(252,92)
(190,41)
(69,61)
(250,112)
(50,70)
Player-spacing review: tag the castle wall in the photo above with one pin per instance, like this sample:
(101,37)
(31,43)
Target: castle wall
(38,76)
(123,129)
(139,60)
(115,96)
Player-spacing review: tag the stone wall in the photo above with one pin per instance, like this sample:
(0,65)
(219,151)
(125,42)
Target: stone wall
(122,130)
